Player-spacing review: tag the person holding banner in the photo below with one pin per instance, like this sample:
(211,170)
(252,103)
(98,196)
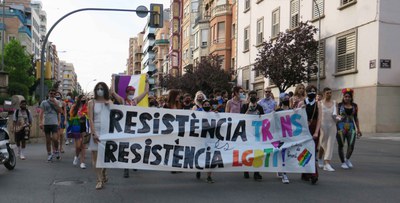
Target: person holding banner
(299,96)
(314,122)
(253,108)
(130,100)
(187,102)
(100,101)
(348,127)
(235,104)
(173,100)
(198,101)
(283,106)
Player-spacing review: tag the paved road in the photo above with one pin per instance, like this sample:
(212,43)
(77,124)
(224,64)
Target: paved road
(375,178)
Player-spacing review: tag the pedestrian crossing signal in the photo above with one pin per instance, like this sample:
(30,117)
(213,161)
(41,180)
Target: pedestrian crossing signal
(156,16)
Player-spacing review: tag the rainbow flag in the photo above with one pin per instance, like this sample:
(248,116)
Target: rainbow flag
(304,157)
(137,81)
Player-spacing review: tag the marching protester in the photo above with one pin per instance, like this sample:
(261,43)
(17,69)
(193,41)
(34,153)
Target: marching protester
(313,110)
(22,120)
(95,106)
(49,122)
(187,101)
(298,96)
(253,108)
(235,104)
(219,103)
(328,130)
(198,101)
(283,106)
(172,101)
(348,127)
(268,103)
(63,121)
(78,126)
(153,102)
(68,105)
(130,100)
(206,107)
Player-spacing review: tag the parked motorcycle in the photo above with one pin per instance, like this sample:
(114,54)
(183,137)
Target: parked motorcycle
(7,155)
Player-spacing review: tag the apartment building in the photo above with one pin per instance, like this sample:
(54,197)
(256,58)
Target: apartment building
(359,49)
(175,47)
(201,30)
(161,49)
(69,78)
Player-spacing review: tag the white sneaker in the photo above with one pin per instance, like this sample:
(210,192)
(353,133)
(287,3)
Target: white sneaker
(75,162)
(320,163)
(49,157)
(344,166)
(83,165)
(67,142)
(349,164)
(21,155)
(285,179)
(328,167)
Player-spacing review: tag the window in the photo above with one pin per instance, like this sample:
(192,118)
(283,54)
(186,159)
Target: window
(346,2)
(196,40)
(321,55)
(260,31)
(246,39)
(318,8)
(221,32)
(233,31)
(246,5)
(246,78)
(346,49)
(275,22)
(294,13)
(10,38)
(204,37)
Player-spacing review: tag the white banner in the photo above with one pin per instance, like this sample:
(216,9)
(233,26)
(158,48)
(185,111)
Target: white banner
(183,140)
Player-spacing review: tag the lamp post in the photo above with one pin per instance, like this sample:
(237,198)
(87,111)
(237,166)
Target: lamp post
(319,46)
(3,74)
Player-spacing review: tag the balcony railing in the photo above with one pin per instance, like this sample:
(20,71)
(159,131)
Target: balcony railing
(201,19)
(219,41)
(221,9)
(161,41)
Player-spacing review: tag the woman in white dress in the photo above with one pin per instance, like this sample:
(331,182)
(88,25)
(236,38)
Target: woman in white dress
(328,131)
(101,101)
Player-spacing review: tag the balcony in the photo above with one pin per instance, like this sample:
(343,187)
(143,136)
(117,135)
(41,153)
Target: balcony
(161,42)
(201,19)
(221,10)
(149,44)
(26,30)
(219,41)
(149,31)
(148,57)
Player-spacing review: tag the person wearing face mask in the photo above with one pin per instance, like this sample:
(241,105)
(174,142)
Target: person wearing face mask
(187,102)
(198,101)
(252,108)
(283,106)
(22,120)
(63,121)
(78,122)
(235,104)
(49,121)
(314,115)
(268,103)
(206,107)
(130,99)
(68,105)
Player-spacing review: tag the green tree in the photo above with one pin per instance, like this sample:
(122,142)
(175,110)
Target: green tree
(291,58)
(18,64)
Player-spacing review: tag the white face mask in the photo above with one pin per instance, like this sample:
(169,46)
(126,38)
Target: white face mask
(242,96)
(100,93)
(130,97)
(68,97)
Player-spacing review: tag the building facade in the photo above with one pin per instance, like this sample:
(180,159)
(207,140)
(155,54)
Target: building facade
(360,52)
(161,49)
(69,78)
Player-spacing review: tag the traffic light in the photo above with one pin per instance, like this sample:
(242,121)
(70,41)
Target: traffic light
(156,16)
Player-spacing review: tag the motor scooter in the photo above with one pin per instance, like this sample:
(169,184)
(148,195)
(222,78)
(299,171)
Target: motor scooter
(7,155)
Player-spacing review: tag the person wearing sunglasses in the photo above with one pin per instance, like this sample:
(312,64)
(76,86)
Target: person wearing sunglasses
(268,103)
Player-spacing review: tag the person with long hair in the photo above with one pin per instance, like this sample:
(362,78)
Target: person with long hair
(63,121)
(95,106)
(173,100)
(298,96)
(328,130)
(78,122)
(348,127)
(198,101)
(235,104)
(314,112)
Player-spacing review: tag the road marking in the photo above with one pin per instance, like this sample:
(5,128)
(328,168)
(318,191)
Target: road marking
(385,138)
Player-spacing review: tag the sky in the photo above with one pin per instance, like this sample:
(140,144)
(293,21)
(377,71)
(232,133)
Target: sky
(96,42)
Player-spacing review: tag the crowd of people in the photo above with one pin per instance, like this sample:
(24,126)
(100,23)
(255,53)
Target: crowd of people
(74,117)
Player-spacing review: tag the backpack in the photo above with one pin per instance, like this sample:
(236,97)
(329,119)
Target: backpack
(27,113)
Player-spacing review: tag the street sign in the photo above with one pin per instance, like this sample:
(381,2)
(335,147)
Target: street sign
(141,11)
(386,63)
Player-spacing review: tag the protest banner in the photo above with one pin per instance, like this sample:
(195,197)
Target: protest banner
(136,81)
(183,140)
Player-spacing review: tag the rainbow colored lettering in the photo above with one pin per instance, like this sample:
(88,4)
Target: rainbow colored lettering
(304,157)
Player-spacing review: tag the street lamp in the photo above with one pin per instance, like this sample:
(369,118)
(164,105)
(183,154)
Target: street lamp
(3,74)
(319,46)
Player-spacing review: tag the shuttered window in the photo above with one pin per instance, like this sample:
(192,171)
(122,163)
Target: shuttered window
(318,8)
(260,31)
(344,2)
(346,52)
(275,23)
(246,39)
(321,55)
(294,13)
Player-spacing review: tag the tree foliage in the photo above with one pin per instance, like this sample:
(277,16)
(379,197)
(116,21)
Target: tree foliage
(18,64)
(290,59)
(205,76)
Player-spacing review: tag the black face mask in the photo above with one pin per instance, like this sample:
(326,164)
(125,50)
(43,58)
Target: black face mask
(311,95)
(253,99)
(58,98)
(207,108)
(285,103)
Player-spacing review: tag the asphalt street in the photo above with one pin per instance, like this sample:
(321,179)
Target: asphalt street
(374,178)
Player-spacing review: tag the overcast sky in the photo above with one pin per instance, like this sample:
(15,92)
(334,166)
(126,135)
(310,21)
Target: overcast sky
(96,42)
